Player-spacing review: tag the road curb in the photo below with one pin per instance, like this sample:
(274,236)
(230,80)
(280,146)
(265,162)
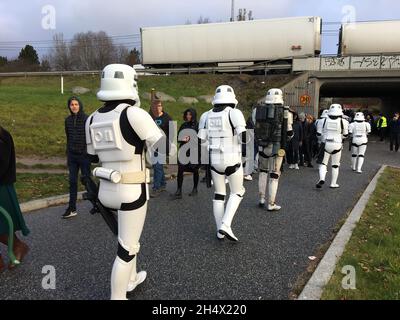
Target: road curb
(321,276)
(57,200)
(47,202)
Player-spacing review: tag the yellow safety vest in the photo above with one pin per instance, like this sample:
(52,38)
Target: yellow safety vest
(384,122)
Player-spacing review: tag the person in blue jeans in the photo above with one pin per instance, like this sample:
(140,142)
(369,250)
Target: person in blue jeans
(77,157)
(162,120)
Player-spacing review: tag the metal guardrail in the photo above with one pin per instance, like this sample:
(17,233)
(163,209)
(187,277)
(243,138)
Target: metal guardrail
(152,71)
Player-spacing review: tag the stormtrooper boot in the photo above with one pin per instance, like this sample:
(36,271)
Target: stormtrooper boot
(273,189)
(136,277)
(335,175)
(218,209)
(360,164)
(231,208)
(322,175)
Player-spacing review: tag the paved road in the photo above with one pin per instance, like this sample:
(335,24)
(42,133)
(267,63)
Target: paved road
(179,249)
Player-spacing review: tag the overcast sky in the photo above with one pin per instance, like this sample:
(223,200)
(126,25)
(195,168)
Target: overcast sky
(22,20)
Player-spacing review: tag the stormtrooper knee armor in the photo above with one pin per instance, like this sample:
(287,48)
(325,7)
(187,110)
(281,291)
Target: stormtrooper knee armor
(332,130)
(359,129)
(221,128)
(118,133)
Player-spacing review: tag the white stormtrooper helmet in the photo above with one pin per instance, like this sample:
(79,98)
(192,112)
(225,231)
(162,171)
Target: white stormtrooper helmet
(335,110)
(224,95)
(324,114)
(118,82)
(359,116)
(274,96)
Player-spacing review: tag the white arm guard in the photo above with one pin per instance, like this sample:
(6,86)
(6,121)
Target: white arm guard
(203,134)
(238,121)
(345,128)
(90,148)
(351,128)
(144,126)
(368,128)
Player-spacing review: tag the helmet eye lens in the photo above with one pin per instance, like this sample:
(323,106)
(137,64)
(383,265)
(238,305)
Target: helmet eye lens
(119,75)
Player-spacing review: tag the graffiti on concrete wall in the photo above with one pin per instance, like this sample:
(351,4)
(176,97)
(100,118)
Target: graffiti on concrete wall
(361,63)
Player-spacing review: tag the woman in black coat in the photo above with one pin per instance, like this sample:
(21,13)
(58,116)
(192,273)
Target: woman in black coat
(188,142)
(295,143)
(8,198)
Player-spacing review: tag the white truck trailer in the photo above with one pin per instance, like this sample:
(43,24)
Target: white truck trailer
(242,41)
(363,38)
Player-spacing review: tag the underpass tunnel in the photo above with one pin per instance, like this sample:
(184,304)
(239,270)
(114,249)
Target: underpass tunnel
(377,95)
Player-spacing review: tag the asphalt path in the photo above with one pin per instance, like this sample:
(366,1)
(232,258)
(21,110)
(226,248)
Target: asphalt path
(179,249)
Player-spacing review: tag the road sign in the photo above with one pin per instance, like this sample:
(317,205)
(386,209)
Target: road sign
(305,99)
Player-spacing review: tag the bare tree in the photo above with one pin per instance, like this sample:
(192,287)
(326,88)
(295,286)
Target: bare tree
(202,20)
(60,56)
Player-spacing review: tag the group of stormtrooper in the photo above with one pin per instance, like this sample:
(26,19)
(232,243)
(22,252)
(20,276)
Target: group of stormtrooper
(120,132)
(332,128)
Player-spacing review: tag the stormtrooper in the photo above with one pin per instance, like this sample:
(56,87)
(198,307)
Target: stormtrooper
(222,130)
(359,130)
(118,134)
(333,129)
(273,126)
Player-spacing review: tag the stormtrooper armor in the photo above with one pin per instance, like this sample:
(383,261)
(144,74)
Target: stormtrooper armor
(221,129)
(273,124)
(359,130)
(117,133)
(318,124)
(333,129)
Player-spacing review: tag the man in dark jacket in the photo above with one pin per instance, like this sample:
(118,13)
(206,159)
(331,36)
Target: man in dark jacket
(162,120)
(76,151)
(394,129)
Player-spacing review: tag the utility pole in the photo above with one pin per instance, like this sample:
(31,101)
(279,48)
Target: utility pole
(233,11)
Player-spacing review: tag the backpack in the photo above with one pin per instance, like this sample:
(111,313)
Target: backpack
(268,125)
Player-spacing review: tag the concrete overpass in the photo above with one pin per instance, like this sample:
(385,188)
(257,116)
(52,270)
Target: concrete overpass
(345,79)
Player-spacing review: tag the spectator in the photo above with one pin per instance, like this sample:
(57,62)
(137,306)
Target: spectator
(8,198)
(382,126)
(308,132)
(189,131)
(77,157)
(295,143)
(162,120)
(394,129)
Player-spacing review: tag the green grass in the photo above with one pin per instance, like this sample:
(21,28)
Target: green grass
(374,248)
(42,166)
(33,109)
(31,186)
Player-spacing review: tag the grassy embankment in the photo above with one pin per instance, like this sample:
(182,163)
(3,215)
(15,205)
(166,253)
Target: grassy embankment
(374,248)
